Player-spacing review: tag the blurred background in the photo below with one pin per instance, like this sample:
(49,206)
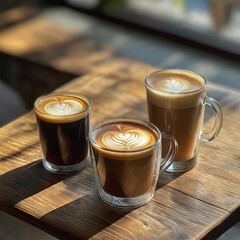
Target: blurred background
(46,43)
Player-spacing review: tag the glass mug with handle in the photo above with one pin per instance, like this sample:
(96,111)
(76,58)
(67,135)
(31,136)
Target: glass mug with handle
(176,101)
(126,156)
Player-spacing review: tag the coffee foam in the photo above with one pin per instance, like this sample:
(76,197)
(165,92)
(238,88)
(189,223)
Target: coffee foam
(175,89)
(61,108)
(124,136)
(131,139)
(173,85)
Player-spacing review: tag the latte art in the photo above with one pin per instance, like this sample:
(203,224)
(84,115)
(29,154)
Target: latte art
(175,85)
(65,107)
(126,140)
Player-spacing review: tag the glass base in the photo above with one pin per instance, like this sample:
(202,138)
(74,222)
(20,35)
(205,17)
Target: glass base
(125,202)
(182,166)
(64,169)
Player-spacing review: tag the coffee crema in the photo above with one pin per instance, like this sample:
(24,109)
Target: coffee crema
(60,108)
(125,136)
(177,84)
(176,89)
(65,107)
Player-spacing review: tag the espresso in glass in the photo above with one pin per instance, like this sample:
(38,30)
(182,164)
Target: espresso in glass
(125,174)
(63,123)
(126,155)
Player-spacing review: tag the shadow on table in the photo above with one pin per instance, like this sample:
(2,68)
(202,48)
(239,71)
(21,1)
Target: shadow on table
(25,181)
(89,216)
(166,178)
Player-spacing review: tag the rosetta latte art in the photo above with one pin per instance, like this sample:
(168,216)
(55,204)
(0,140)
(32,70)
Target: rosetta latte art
(65,107)
(126,140)
(175,86)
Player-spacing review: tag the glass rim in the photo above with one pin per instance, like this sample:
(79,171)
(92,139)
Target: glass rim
(73,94)
(131,120)
(174,71)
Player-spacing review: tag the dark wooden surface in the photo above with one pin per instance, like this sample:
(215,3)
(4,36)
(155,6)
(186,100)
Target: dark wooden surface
(197,204)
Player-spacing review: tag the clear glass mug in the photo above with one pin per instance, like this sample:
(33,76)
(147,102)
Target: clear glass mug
(126,156)
(176,100)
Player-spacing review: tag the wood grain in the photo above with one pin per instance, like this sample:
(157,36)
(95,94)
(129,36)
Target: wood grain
(185,206)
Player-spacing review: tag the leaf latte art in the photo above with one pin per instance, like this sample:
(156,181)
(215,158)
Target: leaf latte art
(126,140)
(175,85)
(65,107)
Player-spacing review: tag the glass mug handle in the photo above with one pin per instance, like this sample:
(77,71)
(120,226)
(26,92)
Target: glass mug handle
(172,152)
(214,105)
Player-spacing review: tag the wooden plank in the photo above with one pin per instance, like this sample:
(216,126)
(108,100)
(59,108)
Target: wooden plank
(34,35)
(35,40)
(162,218)
(71,51)
(159,218)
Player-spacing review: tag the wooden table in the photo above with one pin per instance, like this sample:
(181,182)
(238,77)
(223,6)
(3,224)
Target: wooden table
(201,203)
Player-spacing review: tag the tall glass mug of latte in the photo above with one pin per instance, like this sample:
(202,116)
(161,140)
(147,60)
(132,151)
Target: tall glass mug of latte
(126,155)
(176,105)
(63,124)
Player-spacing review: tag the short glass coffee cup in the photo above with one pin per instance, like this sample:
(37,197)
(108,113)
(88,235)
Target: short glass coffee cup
(63,124)
(176,100)
(126,156)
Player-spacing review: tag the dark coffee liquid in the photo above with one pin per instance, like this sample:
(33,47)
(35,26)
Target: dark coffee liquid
(125,174)
(125,178)
(63,123)
(64,144)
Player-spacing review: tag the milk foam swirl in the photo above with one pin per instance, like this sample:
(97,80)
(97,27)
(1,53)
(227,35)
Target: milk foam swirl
(130,139)
(175,85)
(63,108)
